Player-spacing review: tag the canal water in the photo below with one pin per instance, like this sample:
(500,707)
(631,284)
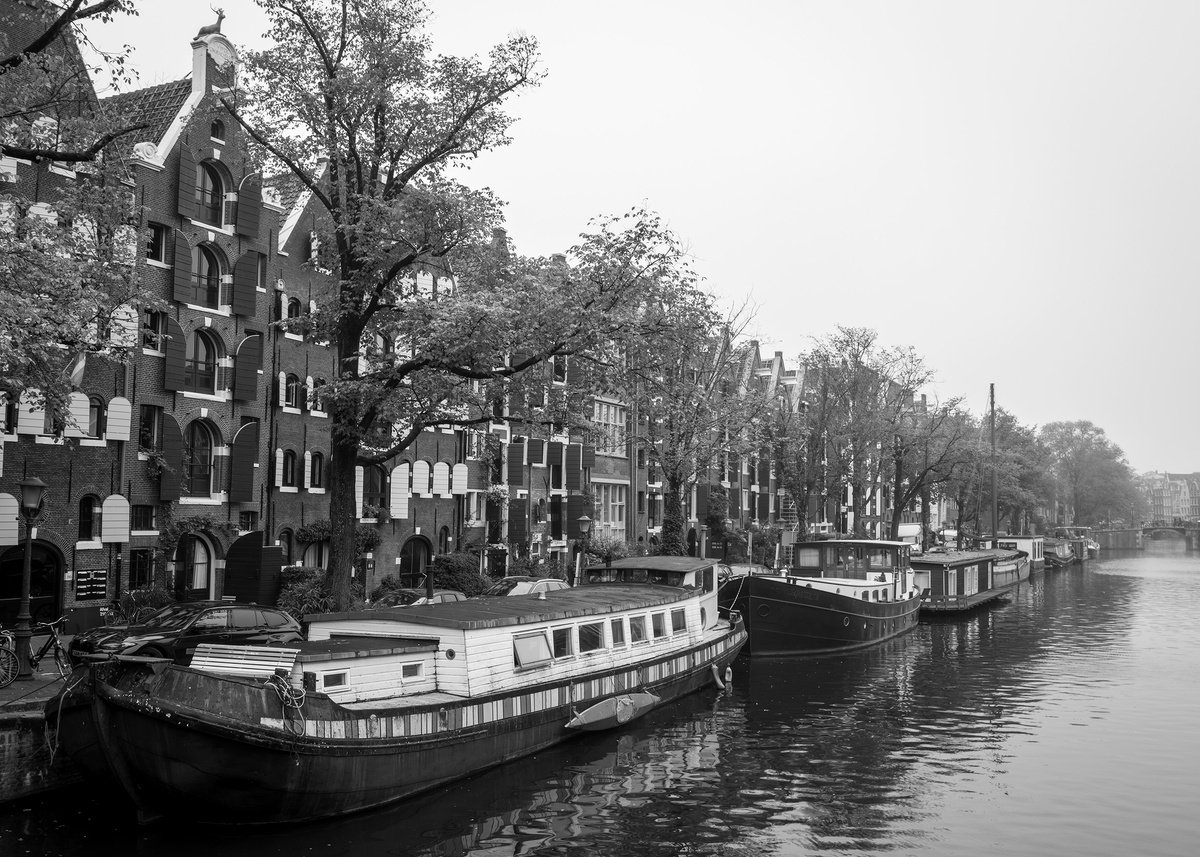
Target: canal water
(1064,722)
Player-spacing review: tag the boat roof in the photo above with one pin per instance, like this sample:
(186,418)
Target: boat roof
(659,563)
(875,543)
(951,558)
(498,610)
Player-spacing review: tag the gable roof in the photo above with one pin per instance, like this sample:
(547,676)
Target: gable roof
(155,106)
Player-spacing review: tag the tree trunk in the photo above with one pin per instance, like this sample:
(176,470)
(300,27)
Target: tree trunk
(673,542)
(343,517)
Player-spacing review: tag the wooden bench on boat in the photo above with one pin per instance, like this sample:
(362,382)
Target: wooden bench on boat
(249,661)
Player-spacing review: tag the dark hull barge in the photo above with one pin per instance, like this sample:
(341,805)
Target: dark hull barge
(842,594)
(381,705)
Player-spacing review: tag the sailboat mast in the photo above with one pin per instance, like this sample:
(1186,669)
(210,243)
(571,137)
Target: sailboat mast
(992,406)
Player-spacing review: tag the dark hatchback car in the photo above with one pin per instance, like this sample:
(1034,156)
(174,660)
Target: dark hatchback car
(178,628)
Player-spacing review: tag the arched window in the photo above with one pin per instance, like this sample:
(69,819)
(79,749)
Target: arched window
(316,555)
(444,540)
(316,475)
(294,308)
(293,392)
(217,130)
(210,194)
(285,547)
(95,416)
(193,563)
(89,518)
(200,368)
(206,277)
(289,469)
(198,459)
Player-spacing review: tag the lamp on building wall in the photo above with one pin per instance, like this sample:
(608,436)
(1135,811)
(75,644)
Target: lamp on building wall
(33,491)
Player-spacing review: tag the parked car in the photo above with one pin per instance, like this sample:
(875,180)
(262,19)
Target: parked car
(178,628)
(522,585)
(411,597)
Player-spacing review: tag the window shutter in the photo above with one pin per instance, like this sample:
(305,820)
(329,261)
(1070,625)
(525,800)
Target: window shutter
(701,502)
(400,492)
(516,462)
(358,491)
(554,453)
(79,408)
(186,200)
(246,364)
(9,509)
(114,520)
(537,451)
(119,418)
(175,348)
(441,479)
(307,476)
(249,206)
(278,467)
(764,473)
(182,285)
(420,478)
(172,453)
(245,284)
(589,456)
(574,469)
(30,419)
(576,510)
(459,478)
(517,530)
(764,506)
(243,458)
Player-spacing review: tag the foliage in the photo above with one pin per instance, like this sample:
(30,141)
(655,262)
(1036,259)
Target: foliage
(304,591)
(68,247)
(366,537)
(458,570)
(605,549)
(1090,472)
(138,603)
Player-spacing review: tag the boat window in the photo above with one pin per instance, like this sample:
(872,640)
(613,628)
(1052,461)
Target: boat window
(637,629)
(618,632)
(879,558)
(866,596)
(678,621)
(562,642)
(333,680)
(531,650)
(591,637)
(808,558)
(709,579)
(415,670)
(659,624)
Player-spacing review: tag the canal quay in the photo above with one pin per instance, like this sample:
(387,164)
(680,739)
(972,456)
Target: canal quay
(1059,722)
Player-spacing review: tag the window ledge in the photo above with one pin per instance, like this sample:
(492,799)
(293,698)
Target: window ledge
(41,438)
(158,263)
(144,533)
(288,489)
(222,310)
(89,545)
(288,409)
(92,441)
(208,397)
(211,227)
(215,500)
(316,490)
(319,414)
(150,352)
(368,520)
(295,337)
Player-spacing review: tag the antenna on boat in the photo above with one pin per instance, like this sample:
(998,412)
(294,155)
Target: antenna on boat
(992,405)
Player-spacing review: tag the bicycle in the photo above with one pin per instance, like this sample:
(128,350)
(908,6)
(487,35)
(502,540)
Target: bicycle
(53,645)
(9,664)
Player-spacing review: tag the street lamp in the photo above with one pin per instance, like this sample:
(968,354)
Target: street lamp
(32,492)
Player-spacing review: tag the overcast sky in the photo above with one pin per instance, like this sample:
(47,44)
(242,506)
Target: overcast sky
(1010,187)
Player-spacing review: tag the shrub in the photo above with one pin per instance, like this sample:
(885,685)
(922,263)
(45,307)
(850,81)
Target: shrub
(304,591)
(458,570)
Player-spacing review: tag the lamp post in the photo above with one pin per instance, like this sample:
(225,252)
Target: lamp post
(32,492)
(585,527)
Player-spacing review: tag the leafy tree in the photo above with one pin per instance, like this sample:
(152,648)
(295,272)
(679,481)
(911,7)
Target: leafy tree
(67,243)
(1091,473)
(351,102)
(931,446)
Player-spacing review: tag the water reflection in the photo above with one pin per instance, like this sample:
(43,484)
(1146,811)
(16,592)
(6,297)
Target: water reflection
(1064,711)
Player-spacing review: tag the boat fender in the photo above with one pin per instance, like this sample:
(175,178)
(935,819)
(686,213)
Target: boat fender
(728,675)
(717,677)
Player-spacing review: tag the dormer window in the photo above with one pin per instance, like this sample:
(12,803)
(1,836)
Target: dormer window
(217,131)
(210,194)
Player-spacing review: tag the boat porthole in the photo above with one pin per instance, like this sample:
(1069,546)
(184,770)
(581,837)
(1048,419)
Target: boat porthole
(449,654)
(846,621)
(764,610)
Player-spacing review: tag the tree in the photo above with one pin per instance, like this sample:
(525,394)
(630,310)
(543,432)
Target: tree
(930,447)
(351,102)
(68,237)
(692,400)
(1091,473)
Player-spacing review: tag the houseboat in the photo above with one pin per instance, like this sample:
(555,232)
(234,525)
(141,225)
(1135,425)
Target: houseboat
(1082,543)
(953,581)
(1059,553)
(379,705)
(1034,548)
(841,594)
